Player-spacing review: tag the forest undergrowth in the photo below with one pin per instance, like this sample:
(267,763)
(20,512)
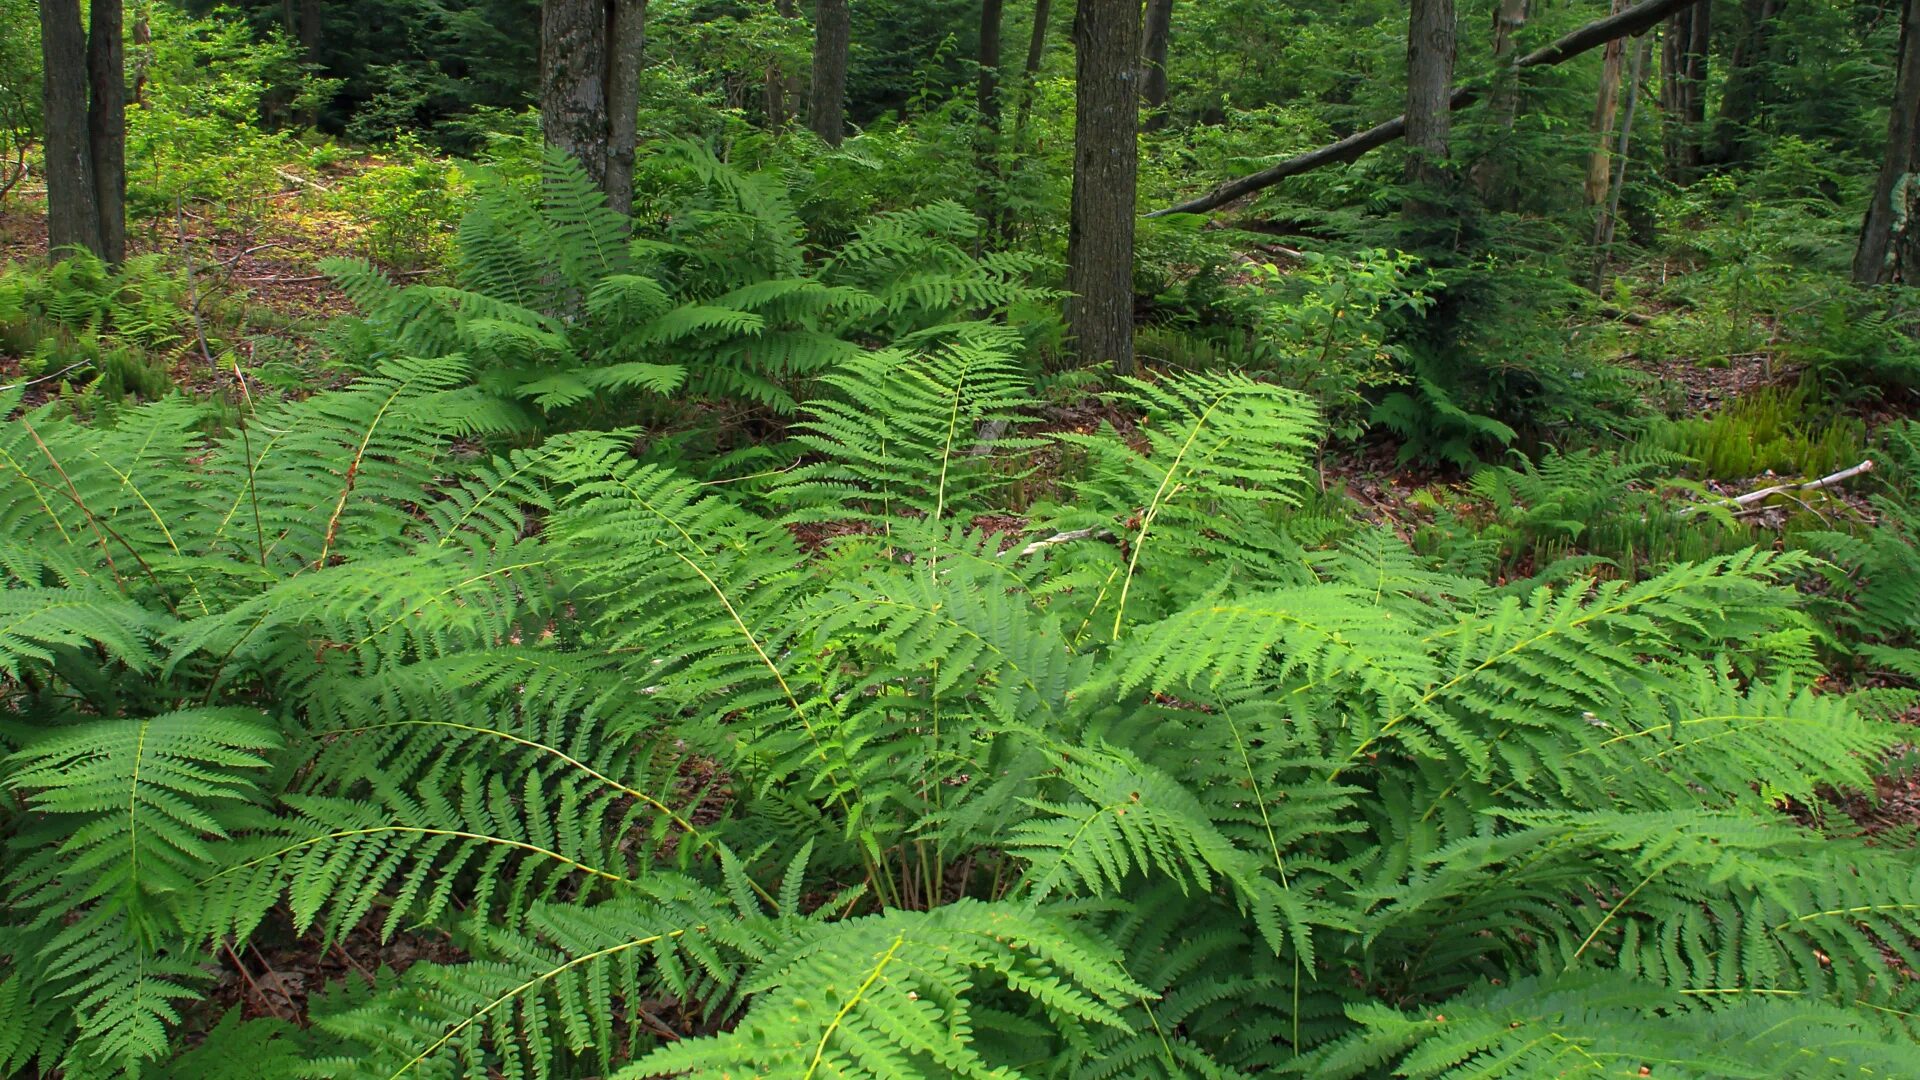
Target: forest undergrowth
(453,627)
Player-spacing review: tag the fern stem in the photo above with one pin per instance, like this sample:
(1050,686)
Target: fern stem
(820,1048)
(419,830)
(1154,506)
(530,984)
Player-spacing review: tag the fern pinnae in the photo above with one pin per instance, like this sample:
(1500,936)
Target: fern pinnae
(1152,511)
(537,980)
(670,813)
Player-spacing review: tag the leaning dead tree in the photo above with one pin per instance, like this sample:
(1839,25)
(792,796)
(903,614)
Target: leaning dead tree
(1591,36)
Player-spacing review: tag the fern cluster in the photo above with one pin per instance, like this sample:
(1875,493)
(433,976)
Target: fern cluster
(570,309)
(1169,785)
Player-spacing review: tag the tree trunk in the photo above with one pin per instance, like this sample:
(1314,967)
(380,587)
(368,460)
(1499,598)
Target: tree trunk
(1746,90)
(107,126)
(1153,57)
(1592,35)
(780,89)
(142,52)
(1610,215)
(73,209)
(590,87)
(1683,63)
(1492,176)
(1430,51)
(1036,52)
(987,94)
(1892,225)
(1599,163)
(1106,39)
(832,36)
(309,35)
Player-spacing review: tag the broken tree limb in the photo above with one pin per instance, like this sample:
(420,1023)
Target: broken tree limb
(1742,502)
(1631,21)
(1061,538)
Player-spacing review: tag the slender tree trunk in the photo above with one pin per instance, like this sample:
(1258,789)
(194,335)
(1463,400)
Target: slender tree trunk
(1492,176)
(987,93)
(987,102)
(1683,63)
(142,51)
(1106,38)
(627,32)
(1430,52)
(1892,225)
(1153,61)
(1746,89)
(1605,110)
(1641,16)
(1610,215)
(590,87)
(107,125)
(1036,52)
(309,34)
(832,37)
(780,90)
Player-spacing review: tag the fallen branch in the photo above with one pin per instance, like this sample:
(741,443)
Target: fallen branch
(271,279)
(1631,21)
(1740,503)
(1062,538)
(301,180)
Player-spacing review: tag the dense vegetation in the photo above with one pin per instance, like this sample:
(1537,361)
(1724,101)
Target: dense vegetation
(470,606)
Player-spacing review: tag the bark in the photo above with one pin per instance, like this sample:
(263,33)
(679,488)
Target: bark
(1430,52)
(832,37)
(1036,52)
(627,32)
(987,93)
(142,51)
(107,126)
(1610,217)
(73,208)
(781,90)
(1106,38)
(1600,163)
(1508,19)
(1892,225)
(1746,88)
(1492,176)
(590,86)
(573,89)
(1596,33)
(1683,91)
(987,102)
(1153,61)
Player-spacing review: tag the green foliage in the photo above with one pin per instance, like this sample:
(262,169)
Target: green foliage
(1166,790)
(410,202)
(1876,575)
(106,333)
(1771,429)
(195,138)
(1617,507)
(564,311)
(20,120)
